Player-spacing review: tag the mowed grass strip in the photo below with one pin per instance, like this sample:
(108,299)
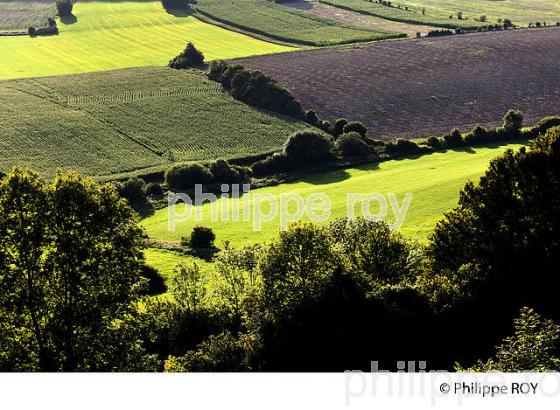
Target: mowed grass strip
(116,34)
(520,12)
(434,180)
(113,122)
(266,18)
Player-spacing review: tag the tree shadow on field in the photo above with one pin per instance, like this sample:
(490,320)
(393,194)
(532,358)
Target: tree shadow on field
(67,20)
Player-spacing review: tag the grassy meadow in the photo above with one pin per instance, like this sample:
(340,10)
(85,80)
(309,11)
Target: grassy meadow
(435,181)
(278,22)
(110,34)
(114,122)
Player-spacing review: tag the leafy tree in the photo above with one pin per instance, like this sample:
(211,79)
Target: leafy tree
(187,287)
(508,227)
(307,148)
(513,122)
(352,145)
(134,189)
(190,57)
(533,347)
(453,139)
(70,263)
(64,7)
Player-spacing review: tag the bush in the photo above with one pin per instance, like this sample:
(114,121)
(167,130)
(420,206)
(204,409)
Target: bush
(435,143)
(274,164)
(224,173)
(134,189)
(187,176)
(154,189)
(453,139)
(544,125)
(64,7)
(513,122)
(478,135)
(190,57)
(402,147)
(352,145)
(156,282)
(355,126)
(338,127)
(439,33)
(32,31)
(201,237)
(311,117)
(256,89)
(306,148)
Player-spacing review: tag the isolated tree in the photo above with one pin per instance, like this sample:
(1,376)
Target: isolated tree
(64,7)
(202,237)
(70,262)
(190,57)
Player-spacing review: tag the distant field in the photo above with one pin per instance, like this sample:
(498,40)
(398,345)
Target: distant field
(519,11)
(107,123)
(427,86)
(19,15)
(434,180)
(115,34)
(273,20)
(413,15)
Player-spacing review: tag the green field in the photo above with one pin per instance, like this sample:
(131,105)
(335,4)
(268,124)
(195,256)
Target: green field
(116,34)
(519,11)
(434,180)
(413,15)
(166,261)
(275,21)
(113,122)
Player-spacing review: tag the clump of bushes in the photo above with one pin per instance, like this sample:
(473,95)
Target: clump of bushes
(307,148)
(64,7)
(352,145)
(201,237)
(225,173)
(190,57)
(274,164)
(355,126)
(256,89)
(133,189)
(403,146)
(439,33)
(453,139)
(186,176)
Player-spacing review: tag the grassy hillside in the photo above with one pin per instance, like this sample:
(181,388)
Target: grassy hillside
(434,180)
(18,15)
(519,11)
(114,34)
(119,121)
(413,15)
(276,21)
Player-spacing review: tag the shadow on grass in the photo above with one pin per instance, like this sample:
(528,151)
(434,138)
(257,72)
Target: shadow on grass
(67,20)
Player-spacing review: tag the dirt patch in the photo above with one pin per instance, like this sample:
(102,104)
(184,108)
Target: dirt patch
(427,86)
(356,19)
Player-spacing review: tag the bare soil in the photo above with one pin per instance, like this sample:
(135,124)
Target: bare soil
(422,87)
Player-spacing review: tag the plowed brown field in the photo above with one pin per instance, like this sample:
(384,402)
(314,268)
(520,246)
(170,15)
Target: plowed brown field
(427,86)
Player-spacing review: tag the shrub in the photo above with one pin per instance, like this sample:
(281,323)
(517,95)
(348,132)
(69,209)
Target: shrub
(513,122)
(202,237)
(435,143)
(224,173)
(311,117)
(338,127)
(453,139)
(32,31)
(256,89)
(187,176)
(326,126)
(189,57)
(134,189)
(355,126)
(306,148)
(156,282)
(154,189)
(274,164)
(543,125)
(482,19)
(439,33)
(352,145)
(64,7)
(478,135)
(402,147)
